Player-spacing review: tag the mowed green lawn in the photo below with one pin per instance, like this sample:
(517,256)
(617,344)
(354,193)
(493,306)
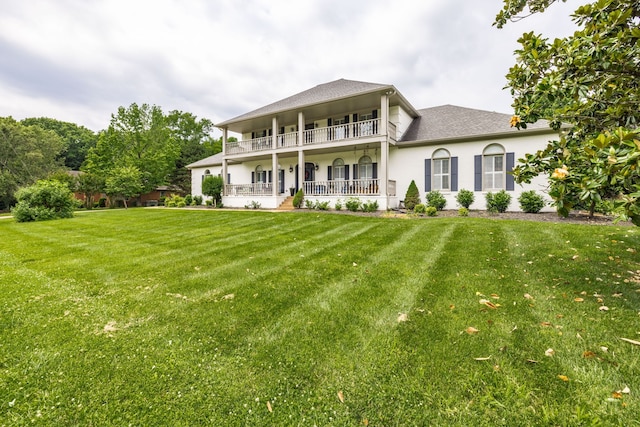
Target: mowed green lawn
(173,317)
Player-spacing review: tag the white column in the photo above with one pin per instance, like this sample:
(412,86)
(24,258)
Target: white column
(301,168)
(300,128)
(224,140)
(384,114)
(224,177)
(275,176)
(274,133)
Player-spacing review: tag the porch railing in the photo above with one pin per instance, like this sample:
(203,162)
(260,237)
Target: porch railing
(354,187)
(260,189)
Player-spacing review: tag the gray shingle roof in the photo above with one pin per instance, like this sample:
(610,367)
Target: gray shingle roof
(322,93)
(453,122)
(214,160)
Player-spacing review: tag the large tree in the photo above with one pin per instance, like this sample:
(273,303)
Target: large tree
(193,138)
(591,81)
(138,137)
(27,154)
(77,139)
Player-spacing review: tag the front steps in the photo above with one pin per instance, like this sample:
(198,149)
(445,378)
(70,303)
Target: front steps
(287,205)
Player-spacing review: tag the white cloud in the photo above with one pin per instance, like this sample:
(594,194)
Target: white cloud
(78,60)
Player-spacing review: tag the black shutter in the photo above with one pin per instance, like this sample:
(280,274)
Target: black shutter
(346,172)
(228,178)
(375,170)
(253,135)
(477,171)
(270,176)
(427,175)
(253,177)
(329,173)
(281,129)
(355,171)
(454,174)
(264,176)
(374,114)
(329,136)
(510,164)
(346,118)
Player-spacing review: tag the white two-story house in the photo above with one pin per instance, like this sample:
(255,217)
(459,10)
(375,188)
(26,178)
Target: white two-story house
(355,139)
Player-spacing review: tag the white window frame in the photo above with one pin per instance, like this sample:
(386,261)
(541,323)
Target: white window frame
(338,169)
(365,168)
(493,168)
(441,170)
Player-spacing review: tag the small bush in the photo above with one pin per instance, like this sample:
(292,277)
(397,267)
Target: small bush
(370,206)
(198,200)
(465,198)
(208,202)
(309,204)
(531,202)
(498,202)
(338,205)
(353,204)
(412,197)
(436,199)
(298,198)
(175,200)
(188,199)
(322,206)
(431,211)
(420,208)
(47,199)
(463,211)
(252,205)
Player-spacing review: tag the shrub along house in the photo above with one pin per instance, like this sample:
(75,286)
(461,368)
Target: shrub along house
(355,139)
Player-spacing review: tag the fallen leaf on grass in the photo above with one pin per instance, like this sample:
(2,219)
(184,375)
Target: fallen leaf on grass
(340,396)
(488,304)
(471,330)
(578,299)
(634,342)
(480,359)
(531,361)
(549,352)
(546,324)
(402,317)
(603,308)
(228,296)
(527,296)
(616,395)
(269,406)
(625,390)
(588,354)
(563,378)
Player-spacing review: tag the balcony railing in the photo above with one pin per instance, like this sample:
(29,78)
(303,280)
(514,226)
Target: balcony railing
(328,134)
(343,131)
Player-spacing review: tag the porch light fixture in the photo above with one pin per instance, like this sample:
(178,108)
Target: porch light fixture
(290,169)
(317,166)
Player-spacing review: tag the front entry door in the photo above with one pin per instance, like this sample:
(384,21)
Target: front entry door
(309,172)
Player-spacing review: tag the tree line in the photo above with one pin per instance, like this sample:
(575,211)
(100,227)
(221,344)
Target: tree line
(142,148)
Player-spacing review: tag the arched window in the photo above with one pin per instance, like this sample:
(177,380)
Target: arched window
(493,176)
(338,169)
(365,168)
(260,175)
(441,179)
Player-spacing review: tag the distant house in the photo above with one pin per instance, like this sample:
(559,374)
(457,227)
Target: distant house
(355,139)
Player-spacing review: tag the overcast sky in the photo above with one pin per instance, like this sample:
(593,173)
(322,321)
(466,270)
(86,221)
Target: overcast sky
(79,60)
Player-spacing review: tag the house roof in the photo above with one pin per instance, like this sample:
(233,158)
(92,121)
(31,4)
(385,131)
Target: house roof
(326,92)
(448,122)
(214,160)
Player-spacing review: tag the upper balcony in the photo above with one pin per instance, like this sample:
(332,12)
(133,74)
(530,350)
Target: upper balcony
(318,136)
